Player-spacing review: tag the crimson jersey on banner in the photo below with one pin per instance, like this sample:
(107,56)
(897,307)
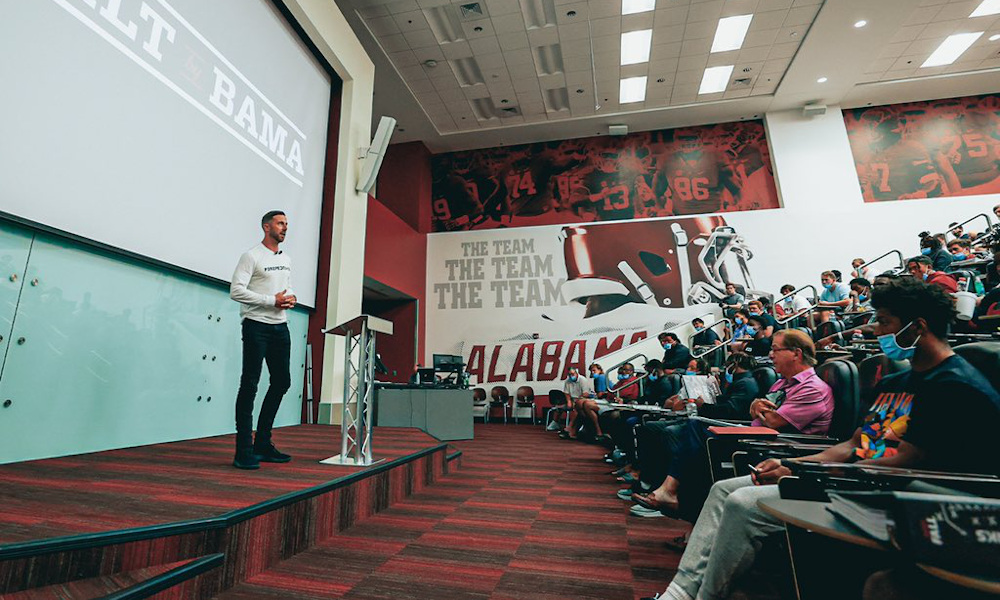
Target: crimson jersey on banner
(692,171)
(945,147)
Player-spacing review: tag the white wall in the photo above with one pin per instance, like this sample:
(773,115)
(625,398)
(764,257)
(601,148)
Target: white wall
(329,30)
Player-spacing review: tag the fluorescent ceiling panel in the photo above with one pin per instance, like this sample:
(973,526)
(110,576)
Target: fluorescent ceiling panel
(988,7)
(951,48)
(636,46)
(637,6)
(730,33)
(716,79)
(632,89)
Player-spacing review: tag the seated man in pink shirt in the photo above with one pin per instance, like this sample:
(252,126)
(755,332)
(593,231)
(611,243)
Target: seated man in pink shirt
(799,402)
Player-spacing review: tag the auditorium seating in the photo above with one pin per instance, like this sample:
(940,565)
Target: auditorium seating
(831,327)
(842,377)
(559,405)
(524,404)
(480,406)
(984,356)
(499,398)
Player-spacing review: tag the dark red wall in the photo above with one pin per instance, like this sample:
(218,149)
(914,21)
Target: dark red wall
(396,256)
(404,184)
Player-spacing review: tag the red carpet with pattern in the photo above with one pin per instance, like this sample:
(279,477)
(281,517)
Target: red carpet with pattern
(526,515)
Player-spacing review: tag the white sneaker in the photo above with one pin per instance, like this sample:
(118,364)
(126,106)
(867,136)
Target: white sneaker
(552,426)
(641,511)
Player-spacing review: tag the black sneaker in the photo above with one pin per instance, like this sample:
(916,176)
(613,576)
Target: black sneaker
(246,459)
(270,454)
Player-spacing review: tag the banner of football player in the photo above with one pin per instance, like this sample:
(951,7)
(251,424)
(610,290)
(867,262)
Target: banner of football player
(938,148)
(522,306)
(691,171)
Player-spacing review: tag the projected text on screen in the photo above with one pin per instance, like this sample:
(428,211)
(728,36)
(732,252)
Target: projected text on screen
(163,43)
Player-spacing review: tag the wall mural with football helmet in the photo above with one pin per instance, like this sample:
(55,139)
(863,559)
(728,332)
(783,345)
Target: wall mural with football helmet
(938,148)
(672,172)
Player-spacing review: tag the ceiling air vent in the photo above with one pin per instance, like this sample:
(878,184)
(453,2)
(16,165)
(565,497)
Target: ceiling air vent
(444,24)
(539,13)
(556,100)
(742,82)
(467,71)
(513,111)
(473,10)
(548,59)
(484,109)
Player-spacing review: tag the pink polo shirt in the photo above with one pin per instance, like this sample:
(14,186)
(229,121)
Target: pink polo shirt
(808,405)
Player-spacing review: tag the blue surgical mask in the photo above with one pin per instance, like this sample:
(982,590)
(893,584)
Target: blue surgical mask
(926,275)
(739,320)
(754,314)
(653,376)
(890,345)
(622,376)
(729,376)
(751,330)
(690,372)
(925,251)
(699,328)
(667,345)
(828,286)
(573,377)
(958,257)
(862,297)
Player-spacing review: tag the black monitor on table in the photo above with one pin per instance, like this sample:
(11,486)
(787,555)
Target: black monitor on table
(448,363)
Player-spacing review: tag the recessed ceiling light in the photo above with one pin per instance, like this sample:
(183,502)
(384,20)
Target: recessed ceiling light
(951,48)
(636,46)
(995,37)
(730,33)
(716,79)
(986,8)
(861,23)
(630,7)
(632,89)
(822,80)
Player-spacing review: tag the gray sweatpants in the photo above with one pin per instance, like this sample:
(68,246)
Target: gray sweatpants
(726,538)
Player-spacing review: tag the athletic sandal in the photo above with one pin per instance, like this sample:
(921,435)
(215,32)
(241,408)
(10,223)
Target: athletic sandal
(627,478)
(648,502)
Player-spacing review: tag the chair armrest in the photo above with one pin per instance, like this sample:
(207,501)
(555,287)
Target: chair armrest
(807,439)
(742,431)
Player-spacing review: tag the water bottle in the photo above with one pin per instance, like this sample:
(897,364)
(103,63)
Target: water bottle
(963,284)
(691,408)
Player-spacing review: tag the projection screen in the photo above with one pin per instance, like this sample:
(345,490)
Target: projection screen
(164,128)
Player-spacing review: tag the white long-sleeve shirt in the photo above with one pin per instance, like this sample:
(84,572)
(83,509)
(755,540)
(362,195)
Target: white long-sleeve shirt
(260,275)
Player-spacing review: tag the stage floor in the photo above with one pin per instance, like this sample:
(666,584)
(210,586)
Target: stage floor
(167,483)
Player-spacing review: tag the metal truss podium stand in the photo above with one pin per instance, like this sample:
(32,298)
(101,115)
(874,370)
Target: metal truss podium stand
(359,386)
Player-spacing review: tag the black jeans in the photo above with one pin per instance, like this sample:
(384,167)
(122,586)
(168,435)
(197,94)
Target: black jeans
(261,342)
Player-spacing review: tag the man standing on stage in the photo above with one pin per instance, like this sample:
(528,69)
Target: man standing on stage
(262,285)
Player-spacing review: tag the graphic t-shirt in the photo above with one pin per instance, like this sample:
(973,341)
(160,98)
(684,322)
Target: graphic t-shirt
(950,412)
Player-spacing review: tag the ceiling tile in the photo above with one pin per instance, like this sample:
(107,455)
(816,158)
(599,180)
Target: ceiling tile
(576,31)
(695,47)
(607,26)
(637,21)
(801,16)
(513,41)
(543,36)
(394,43)
(368,12)
(769,20)
(503,7)
(733,8)
(488,45)
(688,63)
(923,16)
(470,27)
(764,37)
(702,30)
(402,6)
(405,58)
(666,51)
(420,39)
(410,21)
(508,23)
(576,63)
(456,50)
(382,25)
(518,57)
(705,11)
(688,77)
(783,50)
(905,34)
(676,15)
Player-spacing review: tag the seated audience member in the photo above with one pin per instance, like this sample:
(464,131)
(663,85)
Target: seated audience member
(861,294)
(804,401)
(624,387)
(704,336)
(960,250)
(655,390)
(933,248)
(835,295)
(859,270)
(577,389)
(958,232)
(618,423)
(675,354)
(760,345)
(740,335)
(600,380)
(697,366)
(902,429)
(791,304)
(922,269)
(732,301)
(755,308)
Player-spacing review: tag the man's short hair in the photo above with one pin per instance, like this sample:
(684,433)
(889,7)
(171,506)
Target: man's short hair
(652,365)
(861,281)
(829,274)
(697,320)
(787,289)
(270,215)
(960,243)
(670,335)
(730,283)
(741,361)
(743,312)
(758,319)
(932,241)
(953,225)
(796,339)
(920,260)
(908,300)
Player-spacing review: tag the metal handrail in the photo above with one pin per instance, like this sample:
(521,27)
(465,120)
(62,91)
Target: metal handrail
(714,348)
(801,312)
(638,381)
(901,266)
(627,360)
(671,330)
(989,224)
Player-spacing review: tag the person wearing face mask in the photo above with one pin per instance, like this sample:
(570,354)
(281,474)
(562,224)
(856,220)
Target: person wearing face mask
(755,308)
(933,248)
(677,445)
(675,354)
(623,387)
(861,294)
(760,345)
(960,250)
(907,426)
(793,304)
(834,295)
(922,270)
(576,389)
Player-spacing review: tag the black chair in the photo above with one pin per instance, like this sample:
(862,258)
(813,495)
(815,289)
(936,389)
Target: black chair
(871,371)
(985,357)
(480,406)
(842,377)
(559,403)
(807,330)
(499,398)
(827,329)
(765,378)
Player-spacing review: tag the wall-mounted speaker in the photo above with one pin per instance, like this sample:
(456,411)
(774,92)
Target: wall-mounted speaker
(372,160)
